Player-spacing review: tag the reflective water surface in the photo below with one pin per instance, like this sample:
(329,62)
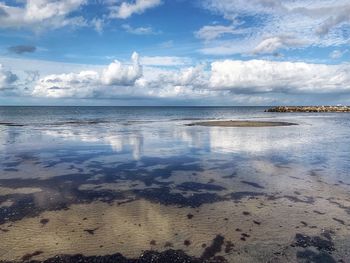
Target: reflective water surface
(137,181)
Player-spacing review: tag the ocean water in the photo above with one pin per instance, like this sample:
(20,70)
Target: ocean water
(133,180)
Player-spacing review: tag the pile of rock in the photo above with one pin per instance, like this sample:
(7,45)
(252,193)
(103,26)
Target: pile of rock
(309,109)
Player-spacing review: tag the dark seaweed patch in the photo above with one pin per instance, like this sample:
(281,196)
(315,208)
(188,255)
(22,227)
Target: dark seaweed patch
(345,208)
(150,256)
(61,191)
(304,223)
(256,185)
(168,244)
(27,257)
(339,220)
(44,221)
(163,196)
(245,235)
(229,247)
(91,231)
(312,256)
(4,230)
(327,234)
(318,212)
(233,175)
(315,241)
(26,205)
(214,248)
(193,186)
(187,242)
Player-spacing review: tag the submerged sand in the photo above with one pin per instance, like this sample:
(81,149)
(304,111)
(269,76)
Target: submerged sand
(242,123)
(252,223)
(215,206)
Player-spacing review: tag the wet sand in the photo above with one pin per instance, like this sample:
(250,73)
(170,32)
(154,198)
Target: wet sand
(241,123)
(255,229)
(212,215)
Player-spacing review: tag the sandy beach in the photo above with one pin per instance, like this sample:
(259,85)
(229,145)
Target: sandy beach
(242,123)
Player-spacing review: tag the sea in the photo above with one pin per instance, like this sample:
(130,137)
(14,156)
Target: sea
(126,184)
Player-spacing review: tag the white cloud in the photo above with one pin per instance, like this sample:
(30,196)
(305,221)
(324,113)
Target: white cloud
(79,85)
(38,14)
(335,17)
(183,80)
(224,81)
(271,44)
(309,22)
(118,74)
(216,31)
(98,24)
(192,76)
(259,76)
(126,9)
(139,30)
(88,83)
(7,78)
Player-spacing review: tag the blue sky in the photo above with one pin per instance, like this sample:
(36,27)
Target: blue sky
(174,52)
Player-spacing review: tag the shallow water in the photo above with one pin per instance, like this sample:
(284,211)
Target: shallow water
(106,180)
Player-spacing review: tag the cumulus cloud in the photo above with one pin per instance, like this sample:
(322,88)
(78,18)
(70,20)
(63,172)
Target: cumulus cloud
(119,74)
(89,83)
(20,49)
(79,85)
(7,78)
(126,9)
(261,76)
(309,22)
(259,81)
(37,14)
(192,76)
(188,80)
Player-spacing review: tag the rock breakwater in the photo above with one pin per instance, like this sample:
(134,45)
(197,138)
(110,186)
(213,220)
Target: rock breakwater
(309,109)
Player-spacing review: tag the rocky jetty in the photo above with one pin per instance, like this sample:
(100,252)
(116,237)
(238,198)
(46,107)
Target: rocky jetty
(309,109)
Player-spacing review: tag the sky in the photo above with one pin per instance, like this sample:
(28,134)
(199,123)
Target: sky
(174,52)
